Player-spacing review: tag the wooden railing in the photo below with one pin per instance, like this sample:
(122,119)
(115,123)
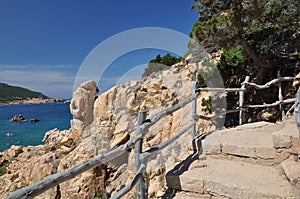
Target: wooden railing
(143,126)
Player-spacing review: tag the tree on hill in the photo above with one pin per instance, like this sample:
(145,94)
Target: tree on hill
(256,38)
(263,33)
(10,93)
(160,63)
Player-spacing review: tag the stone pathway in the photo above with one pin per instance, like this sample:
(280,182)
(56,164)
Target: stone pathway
(251,161)
(234,179)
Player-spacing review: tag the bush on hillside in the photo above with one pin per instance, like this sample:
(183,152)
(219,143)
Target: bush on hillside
(160,63)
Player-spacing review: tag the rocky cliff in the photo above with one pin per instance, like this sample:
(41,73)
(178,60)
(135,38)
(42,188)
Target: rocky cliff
(101,125)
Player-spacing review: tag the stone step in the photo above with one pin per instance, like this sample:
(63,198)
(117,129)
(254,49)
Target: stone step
(233,179)
(191,195)
(256,140)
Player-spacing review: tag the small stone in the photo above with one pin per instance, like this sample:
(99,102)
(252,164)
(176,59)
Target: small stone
(160,193)
(266,153)
(192,68)
(239,151)
(120,138)
(296,146)
(296,83)
(266,115)
(65,149)
(285,154)
(67,141)
(281,140)
(292,170)
(202,157)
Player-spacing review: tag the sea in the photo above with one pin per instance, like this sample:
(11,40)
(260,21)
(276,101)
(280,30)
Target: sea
(26,133)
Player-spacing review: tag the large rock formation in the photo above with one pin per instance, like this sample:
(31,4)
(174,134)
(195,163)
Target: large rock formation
(115,111)
(82,105)
(109,121)
(101,125)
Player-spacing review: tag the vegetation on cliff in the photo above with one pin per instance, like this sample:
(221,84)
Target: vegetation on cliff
(10,93)
(255,38)
(160,63)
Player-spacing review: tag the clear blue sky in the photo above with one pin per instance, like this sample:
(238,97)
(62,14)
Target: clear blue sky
(44,42)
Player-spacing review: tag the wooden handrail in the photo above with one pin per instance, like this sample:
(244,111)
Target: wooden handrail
(55,179)
(270,83)
(133,182)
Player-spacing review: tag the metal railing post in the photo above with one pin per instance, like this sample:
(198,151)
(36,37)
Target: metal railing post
(241,101)
(141,189)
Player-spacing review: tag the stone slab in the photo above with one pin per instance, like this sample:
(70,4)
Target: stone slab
(254,140)
(232,179)
(249,140)
(190,195)
(291,170)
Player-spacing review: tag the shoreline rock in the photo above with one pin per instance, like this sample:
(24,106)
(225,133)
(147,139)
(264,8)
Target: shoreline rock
(18,118)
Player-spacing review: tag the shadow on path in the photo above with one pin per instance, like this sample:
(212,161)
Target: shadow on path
(173,175)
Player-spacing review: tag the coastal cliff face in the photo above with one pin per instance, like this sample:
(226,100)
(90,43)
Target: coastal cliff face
(101,125)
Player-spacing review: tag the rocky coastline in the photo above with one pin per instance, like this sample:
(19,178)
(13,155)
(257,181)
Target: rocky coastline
(99,126)
(34,101)
(102,124)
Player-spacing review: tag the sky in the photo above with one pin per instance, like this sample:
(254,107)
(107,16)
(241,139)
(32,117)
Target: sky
(45,44)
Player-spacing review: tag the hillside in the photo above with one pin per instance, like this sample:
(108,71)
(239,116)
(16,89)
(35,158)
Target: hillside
(10,93)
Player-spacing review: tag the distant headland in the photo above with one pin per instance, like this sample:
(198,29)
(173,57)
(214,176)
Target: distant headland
(19,95)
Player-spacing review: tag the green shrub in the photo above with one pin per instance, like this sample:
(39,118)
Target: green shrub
(102,195)
(3,169)
(232,62)
(206,104)
(206,74)
(160,63)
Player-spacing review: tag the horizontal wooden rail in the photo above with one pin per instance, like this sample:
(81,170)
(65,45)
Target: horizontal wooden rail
(163,145)
(273,104)
(217,115)
(149,122)
(270,83)
(55,179)
(220,89)
(133,182)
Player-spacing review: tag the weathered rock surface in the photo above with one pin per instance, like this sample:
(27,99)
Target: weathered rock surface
(101,125)
(233,179)
(291,169)
(66,137)
(243,162)
(97,127)
(116,111)
(82,105)
(190,195)
(259,141)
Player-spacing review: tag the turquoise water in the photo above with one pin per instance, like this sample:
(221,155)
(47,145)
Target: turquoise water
(54,115)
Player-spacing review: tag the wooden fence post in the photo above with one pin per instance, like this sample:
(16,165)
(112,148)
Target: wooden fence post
(280,98)
(241,101)
(194,113)
(297,109)
(141,185)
